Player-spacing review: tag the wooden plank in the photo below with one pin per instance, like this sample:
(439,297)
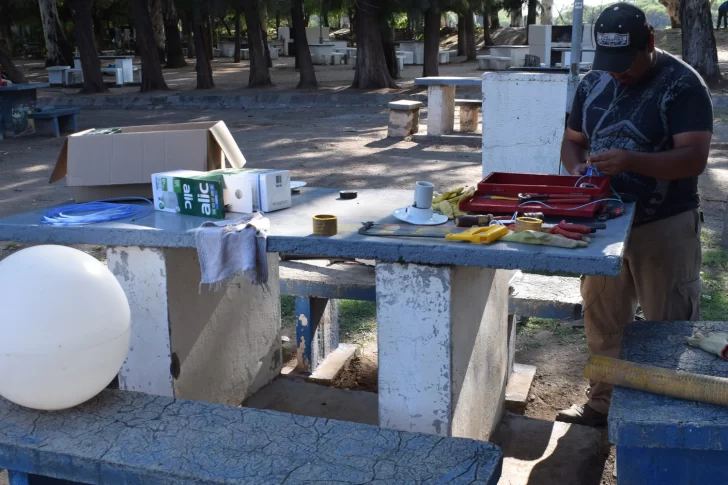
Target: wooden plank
(519,385)
(334,363)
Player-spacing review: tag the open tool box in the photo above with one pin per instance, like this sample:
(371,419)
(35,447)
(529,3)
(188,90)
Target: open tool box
(503,193)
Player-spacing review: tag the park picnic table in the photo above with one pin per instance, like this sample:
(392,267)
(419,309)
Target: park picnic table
(15,101)
(442,307)
(663,440)
(441,101)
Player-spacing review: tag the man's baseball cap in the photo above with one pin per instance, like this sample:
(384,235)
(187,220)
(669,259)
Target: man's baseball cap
(620,32)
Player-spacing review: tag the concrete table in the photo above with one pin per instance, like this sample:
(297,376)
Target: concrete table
(321,52)
(661,440)
(441,101)
(125,63)
(15,101)
(442,307)
(416,47)
(517,53)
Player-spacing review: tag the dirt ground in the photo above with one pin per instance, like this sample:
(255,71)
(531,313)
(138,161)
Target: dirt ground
(341,148)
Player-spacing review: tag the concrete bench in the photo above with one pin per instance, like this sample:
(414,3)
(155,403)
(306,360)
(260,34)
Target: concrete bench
(441,101)
(469,112)
(493,63)
(404,118)
(117,72)
(443,57)
(409,57)
(662,440)
(57,75)
(55,121)
(400,62)
(337,58)
(128,437)
(318,286)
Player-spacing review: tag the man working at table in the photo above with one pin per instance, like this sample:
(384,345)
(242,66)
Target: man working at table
(645,118)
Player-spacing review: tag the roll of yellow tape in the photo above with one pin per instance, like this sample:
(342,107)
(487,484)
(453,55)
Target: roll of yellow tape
(528,224)
(324,225)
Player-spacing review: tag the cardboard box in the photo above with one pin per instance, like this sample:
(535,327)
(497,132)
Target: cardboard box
(249,190)
(120,162)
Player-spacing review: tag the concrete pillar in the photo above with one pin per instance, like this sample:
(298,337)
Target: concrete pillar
(539,42)
(443,348)
(469,118)
(440,110)
(215,346)
(526,135)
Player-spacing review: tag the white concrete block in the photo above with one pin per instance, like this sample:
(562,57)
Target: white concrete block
(214,346)
(539,42)
(442,334)
(440,110)
(403,123)
(526,136)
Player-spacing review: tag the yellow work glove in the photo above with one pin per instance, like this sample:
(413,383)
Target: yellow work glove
(448,194)
(544,239)
(451,207)
(715,342)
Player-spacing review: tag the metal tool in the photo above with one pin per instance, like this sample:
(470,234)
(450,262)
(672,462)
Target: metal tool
(407,230)
(470,221)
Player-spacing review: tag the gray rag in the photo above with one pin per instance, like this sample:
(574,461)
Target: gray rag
(231,247)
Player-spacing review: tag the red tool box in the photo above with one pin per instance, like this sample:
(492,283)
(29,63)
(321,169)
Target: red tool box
(521,185)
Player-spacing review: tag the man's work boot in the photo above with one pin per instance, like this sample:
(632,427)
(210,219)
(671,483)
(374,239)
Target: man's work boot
(582,414)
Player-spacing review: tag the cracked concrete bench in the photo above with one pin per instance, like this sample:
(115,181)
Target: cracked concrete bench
(404,118)
(128,437)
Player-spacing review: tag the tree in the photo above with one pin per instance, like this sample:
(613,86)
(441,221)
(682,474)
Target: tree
(673,9)
(14,74)
(471,50)
(371,65)
(259,73)
(307,78)
(203,44)
(547,7)
(390,52)
(175,55)
(494,20)
(531,13)
(93,81)
(432,41)
(238,35)
(157,18)
(461,35)
(698,42)
(152,77)
(58,51)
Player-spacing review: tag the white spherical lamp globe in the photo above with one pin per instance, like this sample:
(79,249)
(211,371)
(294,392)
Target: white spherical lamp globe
(64,327)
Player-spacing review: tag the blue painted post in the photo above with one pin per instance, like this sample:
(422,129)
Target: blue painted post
(17,478)
(317,332)
(20,478)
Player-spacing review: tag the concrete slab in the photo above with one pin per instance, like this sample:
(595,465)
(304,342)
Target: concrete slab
(334,363)
(296,396)
(519,385)
(537,452)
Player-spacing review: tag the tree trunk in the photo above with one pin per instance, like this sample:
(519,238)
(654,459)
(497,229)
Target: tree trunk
(238,34)
(547,7)
(673,10)
(175,56)
(7,34)
(517,18)
(432,43)
(259,73)
(278,21)
(390,53)
(698,42)
(304,62)
(93,81)
(201,27)
(461,35)
(155,15)
(14,74)
(58,51)
(371,66)
(487,39)
(531,13)
(471,48)
(352,24)
(494,20)
(188,27)
(152,78)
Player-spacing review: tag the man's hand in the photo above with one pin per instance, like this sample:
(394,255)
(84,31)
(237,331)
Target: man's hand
(579,169)
(613,162)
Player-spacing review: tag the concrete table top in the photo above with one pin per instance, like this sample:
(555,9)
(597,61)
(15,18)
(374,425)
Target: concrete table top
(292,233)
(23,87)
(448,81)
(643,420)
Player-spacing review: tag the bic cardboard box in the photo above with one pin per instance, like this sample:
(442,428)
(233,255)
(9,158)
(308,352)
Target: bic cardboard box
(119,162)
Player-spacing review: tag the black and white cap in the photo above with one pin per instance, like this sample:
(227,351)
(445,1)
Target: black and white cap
(620,32)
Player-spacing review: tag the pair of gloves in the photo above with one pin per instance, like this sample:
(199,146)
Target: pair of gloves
(449,202)
(715,343)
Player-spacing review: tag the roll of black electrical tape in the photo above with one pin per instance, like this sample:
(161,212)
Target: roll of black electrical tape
(348,194)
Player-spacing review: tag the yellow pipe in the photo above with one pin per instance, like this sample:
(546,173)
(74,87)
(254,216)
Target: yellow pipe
(657,380)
